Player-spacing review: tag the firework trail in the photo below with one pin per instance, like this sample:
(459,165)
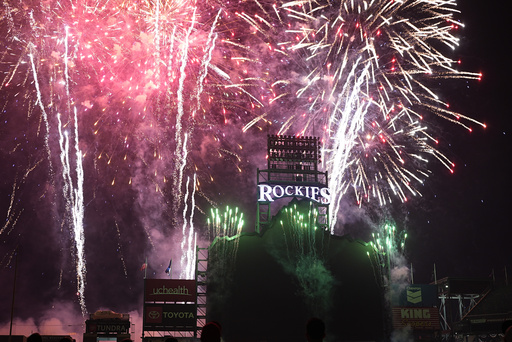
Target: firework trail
(362,75)
(73,194)
(188,242)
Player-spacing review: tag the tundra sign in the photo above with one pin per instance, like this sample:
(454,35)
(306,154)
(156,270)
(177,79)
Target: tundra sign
(108,327)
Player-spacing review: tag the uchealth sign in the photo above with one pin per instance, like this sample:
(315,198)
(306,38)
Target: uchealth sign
(271,192)
(170,290)
(416,318)
(169,316)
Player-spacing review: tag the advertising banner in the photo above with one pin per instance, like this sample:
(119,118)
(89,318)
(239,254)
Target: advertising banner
(170,290)
(161,317)
(271,192)
(107,326)
(416,318)
(417,295)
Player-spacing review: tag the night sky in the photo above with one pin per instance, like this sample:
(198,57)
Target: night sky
(463,228)
(460,224)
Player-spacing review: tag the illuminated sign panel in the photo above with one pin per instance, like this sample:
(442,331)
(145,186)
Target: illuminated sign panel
(416,318)
(158,317)
(271,192)
(170,290)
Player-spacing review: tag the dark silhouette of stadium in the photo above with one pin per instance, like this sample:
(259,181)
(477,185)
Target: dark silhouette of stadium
(265,286)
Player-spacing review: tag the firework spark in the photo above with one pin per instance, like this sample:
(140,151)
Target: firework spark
(362,75)
(224,227)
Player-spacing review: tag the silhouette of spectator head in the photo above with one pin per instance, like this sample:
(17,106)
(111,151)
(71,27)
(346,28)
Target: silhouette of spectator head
(171,339)
(506,328)
(35,337)
(211,332)
(315,330)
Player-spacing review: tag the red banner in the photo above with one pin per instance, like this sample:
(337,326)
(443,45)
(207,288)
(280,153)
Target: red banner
(416,318)
(170,290)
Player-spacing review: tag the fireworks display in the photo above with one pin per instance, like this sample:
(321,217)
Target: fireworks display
(122,90)
(302,230)
(136,109)
(224,229)
(388,248)
(227,224)
(361,74)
